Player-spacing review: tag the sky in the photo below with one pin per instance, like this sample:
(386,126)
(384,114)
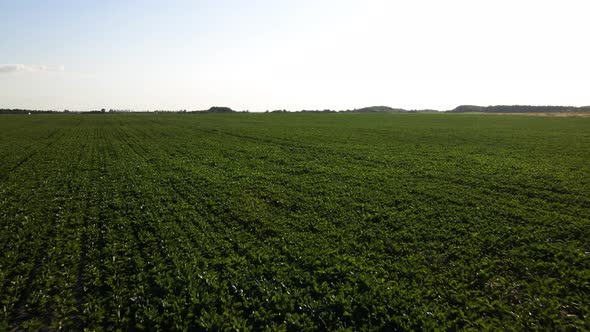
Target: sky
(302,54)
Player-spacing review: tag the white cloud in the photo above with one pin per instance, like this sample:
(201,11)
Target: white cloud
(15,68)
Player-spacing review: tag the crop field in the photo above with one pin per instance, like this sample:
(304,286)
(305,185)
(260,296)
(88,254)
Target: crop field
(294,222)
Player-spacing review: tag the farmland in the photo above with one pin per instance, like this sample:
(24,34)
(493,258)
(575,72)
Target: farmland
(294,221)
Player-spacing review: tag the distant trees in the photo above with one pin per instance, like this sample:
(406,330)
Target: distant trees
(371,109)
(24,111)
(517,109)
(318,111)
(379,109)
(117,110)
(220,109)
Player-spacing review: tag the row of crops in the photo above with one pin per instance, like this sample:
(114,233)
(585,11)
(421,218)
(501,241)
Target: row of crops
(294,221)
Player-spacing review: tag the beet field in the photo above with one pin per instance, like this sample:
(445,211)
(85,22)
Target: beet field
(184,222)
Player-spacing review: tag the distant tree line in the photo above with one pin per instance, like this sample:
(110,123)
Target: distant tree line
(319,111)
(386,109)
(519,109)
(219,109)
(370,109)
(24,111)
(214,109)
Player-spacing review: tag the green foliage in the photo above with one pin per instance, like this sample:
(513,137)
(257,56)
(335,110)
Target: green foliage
(294,222)
(518,109)
(220,109)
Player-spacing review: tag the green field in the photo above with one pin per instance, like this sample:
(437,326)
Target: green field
(294,221)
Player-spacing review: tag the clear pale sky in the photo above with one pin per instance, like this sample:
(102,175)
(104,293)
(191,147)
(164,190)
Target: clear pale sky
(299,54)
